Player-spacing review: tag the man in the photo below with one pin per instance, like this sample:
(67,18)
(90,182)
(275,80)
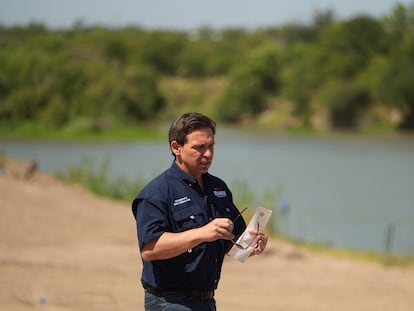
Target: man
(187,222)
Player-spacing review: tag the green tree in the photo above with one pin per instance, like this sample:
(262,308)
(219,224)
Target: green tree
(249,84)
(398,22)
(141,98)
(162,50)
(346,102)
(396,86)
(346,47)
(300,78)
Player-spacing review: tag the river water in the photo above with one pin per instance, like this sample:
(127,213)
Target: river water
(343,191)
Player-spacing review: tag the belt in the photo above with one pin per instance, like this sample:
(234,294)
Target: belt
(202,294)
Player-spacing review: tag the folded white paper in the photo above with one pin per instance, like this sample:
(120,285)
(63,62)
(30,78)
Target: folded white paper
(245,243)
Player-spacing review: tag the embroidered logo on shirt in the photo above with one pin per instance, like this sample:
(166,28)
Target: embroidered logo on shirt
(181,200)
(220,193)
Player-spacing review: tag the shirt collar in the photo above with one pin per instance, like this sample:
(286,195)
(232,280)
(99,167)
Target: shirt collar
(186,178)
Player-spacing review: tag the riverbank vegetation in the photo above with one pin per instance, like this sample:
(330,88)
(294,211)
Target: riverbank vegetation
(355,74)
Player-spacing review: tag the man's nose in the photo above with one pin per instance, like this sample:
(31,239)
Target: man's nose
(209,152)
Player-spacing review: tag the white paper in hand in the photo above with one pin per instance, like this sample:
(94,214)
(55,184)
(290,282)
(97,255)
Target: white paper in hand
(245,243)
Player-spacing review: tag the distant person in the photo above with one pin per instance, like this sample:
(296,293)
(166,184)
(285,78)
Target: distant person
(187,222)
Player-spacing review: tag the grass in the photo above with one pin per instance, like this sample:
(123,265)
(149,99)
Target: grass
(98,181)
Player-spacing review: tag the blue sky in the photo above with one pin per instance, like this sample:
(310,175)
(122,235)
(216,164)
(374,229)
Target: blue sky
(183,14)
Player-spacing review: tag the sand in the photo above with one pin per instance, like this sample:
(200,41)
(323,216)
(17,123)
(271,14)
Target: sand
(64,248)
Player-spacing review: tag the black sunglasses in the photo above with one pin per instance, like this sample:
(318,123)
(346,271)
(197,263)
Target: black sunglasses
(239,214)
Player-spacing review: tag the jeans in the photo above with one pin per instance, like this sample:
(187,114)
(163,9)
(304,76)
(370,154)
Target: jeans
(177,302)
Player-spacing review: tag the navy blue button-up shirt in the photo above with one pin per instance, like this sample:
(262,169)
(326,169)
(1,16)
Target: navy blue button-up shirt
(174,202)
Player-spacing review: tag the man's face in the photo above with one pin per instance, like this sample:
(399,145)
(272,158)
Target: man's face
(196,155)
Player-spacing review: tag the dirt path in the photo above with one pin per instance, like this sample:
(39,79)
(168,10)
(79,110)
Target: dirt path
(63,248)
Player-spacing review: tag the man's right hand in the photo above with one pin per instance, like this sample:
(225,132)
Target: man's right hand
(170,244)
(218,228)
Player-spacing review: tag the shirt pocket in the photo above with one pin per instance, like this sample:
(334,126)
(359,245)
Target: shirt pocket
(187,217)
(224,208)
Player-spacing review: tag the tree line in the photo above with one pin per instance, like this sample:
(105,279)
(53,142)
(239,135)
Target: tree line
(330,74)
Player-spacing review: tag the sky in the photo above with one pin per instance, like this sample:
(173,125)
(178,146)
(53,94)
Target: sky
(183,14)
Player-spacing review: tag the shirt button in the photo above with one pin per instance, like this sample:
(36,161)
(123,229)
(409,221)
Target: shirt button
(192,217)
(190,250)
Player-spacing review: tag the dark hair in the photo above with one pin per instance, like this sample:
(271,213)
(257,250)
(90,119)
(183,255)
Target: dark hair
(188,123)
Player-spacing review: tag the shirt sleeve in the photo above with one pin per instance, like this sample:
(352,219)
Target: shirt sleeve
(151,219)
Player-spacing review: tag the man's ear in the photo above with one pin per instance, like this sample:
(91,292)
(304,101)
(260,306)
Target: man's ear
(175,147)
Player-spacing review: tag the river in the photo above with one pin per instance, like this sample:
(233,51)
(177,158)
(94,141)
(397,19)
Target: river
(341,191)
